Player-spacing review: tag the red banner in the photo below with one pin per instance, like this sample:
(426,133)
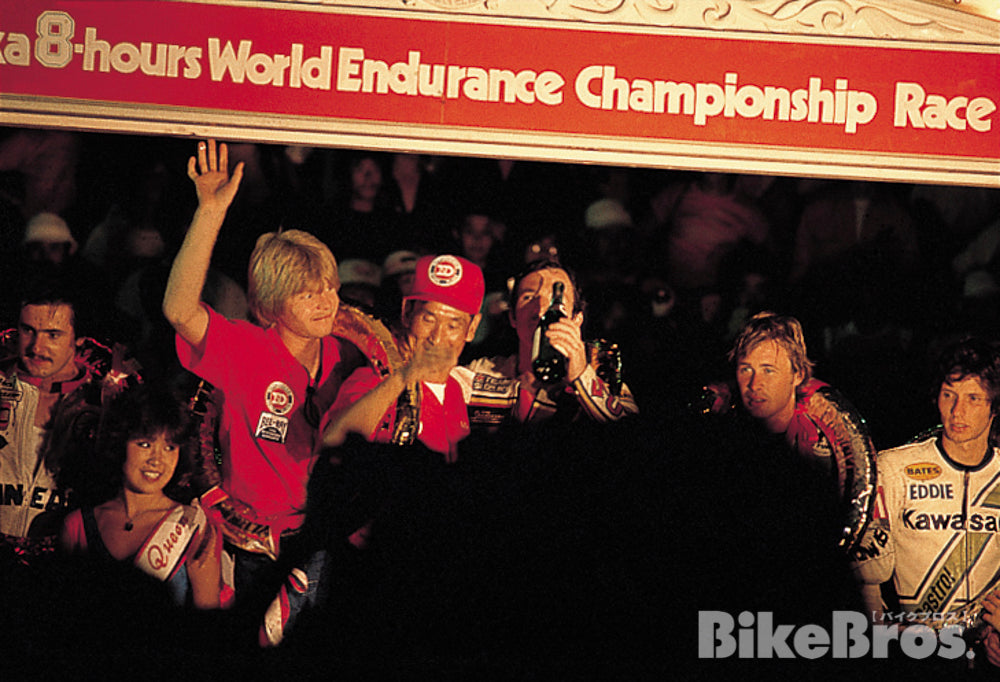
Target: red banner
(531,79)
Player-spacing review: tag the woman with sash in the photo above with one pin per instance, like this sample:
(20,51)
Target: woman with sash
(145,461)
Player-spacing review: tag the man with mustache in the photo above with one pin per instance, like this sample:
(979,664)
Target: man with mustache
(51,396)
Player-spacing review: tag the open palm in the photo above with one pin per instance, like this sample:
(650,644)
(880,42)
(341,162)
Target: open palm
(210,173)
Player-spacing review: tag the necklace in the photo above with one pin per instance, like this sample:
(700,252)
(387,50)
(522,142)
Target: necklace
(129,524)
(128,518)
(129,521)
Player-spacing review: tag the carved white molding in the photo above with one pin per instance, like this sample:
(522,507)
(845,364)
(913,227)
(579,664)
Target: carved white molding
(916,20)
(840,18)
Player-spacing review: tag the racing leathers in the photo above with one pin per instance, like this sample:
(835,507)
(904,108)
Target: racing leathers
(497,394)
(32,503)
(934,533)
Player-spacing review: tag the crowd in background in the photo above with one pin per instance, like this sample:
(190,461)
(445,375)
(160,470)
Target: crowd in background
(670,263)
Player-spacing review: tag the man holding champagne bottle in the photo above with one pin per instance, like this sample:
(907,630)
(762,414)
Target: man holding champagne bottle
(552,371)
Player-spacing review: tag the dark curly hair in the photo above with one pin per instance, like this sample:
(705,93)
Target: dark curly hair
(972,356)
(147,410)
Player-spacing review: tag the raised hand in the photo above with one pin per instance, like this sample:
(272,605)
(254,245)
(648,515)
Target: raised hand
(429,362)
(210,173)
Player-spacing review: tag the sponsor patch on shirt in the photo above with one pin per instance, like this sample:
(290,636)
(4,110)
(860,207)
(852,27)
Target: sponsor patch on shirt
(488,383)
(10,393)
(492,400)
(487,416)
(923,471)
(10,397)
(879,507)
(6,416)
(272,427)
(279,398)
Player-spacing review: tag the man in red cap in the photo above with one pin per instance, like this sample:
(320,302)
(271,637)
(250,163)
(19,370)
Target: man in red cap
(420,400)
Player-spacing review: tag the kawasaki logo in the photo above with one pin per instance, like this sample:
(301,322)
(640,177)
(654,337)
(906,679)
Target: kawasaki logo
(977,522)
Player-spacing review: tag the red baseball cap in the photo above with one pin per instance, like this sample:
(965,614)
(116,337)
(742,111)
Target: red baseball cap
(451,280)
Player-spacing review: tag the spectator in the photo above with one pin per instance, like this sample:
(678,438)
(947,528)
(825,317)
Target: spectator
(398,274)
(524,198)
(545,247)
(48,240)
(49,252)
(608,244)
(360,281)
(47,161)
(475,239)
(145,222)
(709,222)
(415,196)
(362,225)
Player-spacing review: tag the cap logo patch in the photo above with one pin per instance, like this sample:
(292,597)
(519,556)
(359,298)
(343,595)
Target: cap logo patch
(445,271)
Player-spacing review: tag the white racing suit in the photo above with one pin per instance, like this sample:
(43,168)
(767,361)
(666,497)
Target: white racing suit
(31,503)
(28,488)
(934,533)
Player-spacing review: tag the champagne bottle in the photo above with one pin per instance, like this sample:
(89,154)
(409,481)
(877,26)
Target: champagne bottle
(606,359)
(407,417)
(547,363)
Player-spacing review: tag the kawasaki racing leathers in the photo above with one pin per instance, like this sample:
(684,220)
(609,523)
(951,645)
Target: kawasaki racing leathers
(934,533)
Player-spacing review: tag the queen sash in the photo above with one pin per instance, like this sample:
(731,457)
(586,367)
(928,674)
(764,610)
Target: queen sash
(168,546)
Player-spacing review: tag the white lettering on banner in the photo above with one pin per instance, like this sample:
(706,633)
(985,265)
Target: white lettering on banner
(808,100)
(54,49)
(16,49)
(55,31)
(265,69)
(841,106)
(916,108)
(355,73)
(124,57)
